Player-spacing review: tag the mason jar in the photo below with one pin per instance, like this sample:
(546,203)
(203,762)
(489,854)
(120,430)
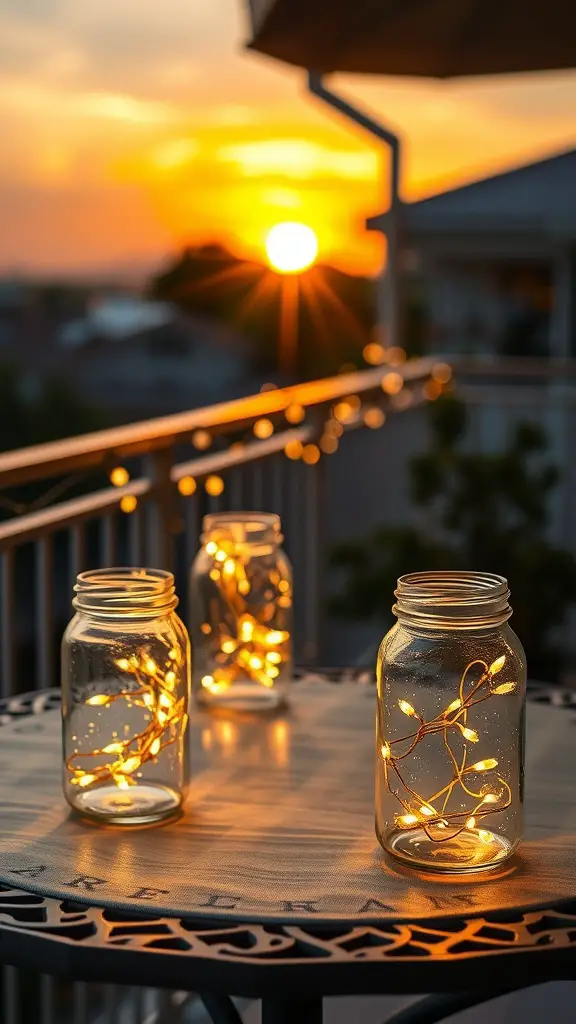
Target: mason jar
(450,724)
(241,612)
(125,697)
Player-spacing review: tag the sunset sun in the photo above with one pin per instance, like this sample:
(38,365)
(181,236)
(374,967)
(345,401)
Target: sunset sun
(291,247)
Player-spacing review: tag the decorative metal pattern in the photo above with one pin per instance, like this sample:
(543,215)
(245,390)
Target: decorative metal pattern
(456,938)
(28,704)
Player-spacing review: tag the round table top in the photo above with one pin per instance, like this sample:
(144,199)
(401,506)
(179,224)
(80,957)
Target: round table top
(274,868)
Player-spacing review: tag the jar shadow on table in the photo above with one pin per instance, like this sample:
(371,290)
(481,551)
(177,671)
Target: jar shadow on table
(512,868)
(94,825)
(540,874)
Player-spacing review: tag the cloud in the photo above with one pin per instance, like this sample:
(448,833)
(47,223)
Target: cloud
(299,159)
(118,46)
(30,98)
(175,153)
(118,107)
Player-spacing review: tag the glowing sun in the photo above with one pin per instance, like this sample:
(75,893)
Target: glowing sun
(291,247)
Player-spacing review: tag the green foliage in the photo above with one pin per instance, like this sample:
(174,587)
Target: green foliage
(55,411)
(484,512)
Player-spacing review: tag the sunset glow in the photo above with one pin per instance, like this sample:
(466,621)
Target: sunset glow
(136,129)
(291,247)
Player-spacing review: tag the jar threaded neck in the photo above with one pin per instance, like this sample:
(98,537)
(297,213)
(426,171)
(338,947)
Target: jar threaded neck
(243,527)
(452,599)
(126,591)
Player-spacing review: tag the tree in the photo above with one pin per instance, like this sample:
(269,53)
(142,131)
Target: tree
(334,314)
(55,411)
(486,512)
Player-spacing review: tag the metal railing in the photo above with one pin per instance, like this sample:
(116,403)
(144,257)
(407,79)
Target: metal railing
(155,517)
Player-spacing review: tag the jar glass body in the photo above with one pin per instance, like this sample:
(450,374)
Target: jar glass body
(241,612)
(450,737)
(125,698)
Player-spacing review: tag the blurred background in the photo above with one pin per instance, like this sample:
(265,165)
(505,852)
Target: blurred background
(186,222)
(183,223)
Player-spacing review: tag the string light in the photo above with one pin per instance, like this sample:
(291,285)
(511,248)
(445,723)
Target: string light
(128,503)
(432,390)
(442,373)
(395,356)
(453,706)
(293,450)
(392,383)
(504,688)
(214,486)
(374,418)
(201,439)
(374,353)
(433,815)
(484,766)
(249,646)
(119,476)
(343,412)
(263,428)
(167,721)
(328,444)
(333,428)
(295,413)
(310,454)
(470,734)
(187,486)
(497,665)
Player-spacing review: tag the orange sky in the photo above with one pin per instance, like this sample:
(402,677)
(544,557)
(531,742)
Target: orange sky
(136,126)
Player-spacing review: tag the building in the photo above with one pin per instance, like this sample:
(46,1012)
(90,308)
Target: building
(128,356)
(497,261)
(138,358)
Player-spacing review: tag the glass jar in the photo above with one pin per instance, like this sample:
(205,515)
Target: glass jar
(241,612)
(450,724)
(125,697)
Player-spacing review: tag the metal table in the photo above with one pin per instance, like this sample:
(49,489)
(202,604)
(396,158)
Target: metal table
(465,958)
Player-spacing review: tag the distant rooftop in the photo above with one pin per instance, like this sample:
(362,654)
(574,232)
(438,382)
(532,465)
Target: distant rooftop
(116,317)
(540,196)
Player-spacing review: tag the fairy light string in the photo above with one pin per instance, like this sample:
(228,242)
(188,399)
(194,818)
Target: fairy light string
(433,813)
(154,692)
(245,645)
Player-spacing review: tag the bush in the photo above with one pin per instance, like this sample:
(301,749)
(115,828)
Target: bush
(484,512)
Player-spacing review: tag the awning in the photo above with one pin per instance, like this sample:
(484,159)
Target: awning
(437,38)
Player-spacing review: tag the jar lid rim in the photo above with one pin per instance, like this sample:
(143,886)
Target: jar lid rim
(452,596)
(265,519)
(129,589)
(456,586)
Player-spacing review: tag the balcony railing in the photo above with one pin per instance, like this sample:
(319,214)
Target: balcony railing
(242,459)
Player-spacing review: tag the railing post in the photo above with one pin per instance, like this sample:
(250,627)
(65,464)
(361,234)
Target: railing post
(162,510)
(314,557)
(7,623)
